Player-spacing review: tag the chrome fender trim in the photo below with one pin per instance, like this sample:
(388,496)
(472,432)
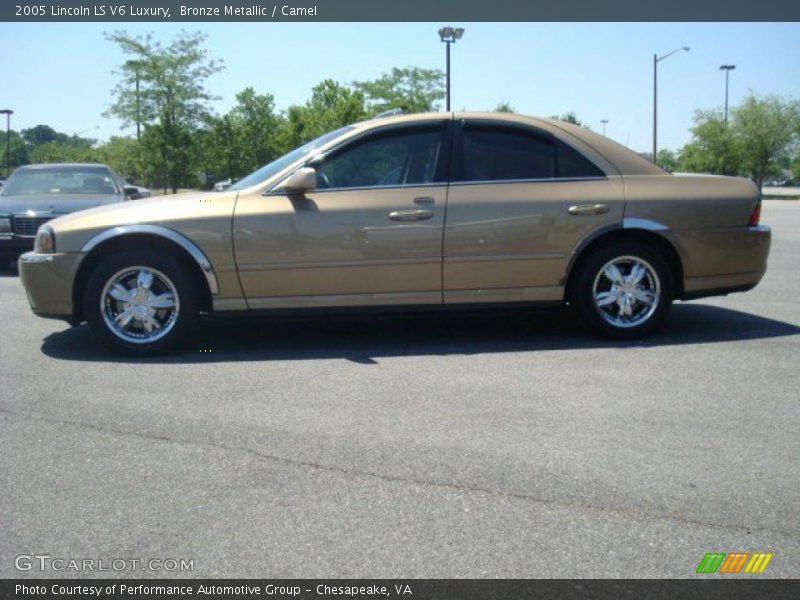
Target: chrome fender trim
(170,234)
(634,223)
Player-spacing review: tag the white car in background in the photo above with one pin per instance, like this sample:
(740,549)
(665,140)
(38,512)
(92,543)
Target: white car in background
(223,185)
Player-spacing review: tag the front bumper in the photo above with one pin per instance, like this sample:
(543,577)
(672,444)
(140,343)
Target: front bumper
(718,261)
(48,281)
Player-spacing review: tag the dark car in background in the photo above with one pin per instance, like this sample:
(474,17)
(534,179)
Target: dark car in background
(34,194)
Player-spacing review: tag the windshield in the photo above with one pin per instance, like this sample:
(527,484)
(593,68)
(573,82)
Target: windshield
(277,165)
(60,180)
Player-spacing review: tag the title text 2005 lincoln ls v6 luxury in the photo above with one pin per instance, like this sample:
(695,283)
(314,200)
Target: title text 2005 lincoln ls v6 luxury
(434,209)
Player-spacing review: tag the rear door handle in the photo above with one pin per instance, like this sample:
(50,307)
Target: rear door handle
(410,215)
(424,200)
(588,209)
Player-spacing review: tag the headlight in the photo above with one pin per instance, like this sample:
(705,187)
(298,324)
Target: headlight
(5,225)
(45,241)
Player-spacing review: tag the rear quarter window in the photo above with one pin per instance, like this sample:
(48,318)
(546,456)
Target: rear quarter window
(572,163)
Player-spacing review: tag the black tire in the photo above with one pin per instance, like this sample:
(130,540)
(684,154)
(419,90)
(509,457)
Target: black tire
(601,320)
(166,269)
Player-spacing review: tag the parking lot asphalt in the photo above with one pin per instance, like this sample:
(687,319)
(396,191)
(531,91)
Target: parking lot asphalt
(481,445)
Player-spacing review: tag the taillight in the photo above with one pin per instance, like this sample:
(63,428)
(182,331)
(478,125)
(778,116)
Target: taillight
(755,216)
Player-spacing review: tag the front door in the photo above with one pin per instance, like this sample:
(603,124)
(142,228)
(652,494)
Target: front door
(369,234)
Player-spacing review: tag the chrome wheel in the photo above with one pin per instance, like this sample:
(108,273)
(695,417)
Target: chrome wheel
(139,304)
(626,291)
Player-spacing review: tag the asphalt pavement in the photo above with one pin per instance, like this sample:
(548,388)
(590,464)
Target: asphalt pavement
(485,445)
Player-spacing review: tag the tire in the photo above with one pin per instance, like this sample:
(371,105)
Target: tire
(141,303)
(614,303)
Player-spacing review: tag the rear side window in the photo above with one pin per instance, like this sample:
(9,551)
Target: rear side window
(497,155)
(572,163)
(505,154)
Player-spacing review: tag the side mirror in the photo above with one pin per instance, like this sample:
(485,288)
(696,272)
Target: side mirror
(302,180)
(131,191)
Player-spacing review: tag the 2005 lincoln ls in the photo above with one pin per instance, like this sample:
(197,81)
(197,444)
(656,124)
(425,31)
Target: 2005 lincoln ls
(434,209)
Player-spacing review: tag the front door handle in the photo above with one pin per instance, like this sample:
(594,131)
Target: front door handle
(410,215)
(588,209)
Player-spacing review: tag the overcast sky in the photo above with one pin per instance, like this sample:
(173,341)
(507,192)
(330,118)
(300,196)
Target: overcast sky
(61,74)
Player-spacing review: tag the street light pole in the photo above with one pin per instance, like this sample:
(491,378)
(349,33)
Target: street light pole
(727,69)
(136,66)
(447,70)
(138,109)
(449,35)
(8,112)
(604,122)
(657,59)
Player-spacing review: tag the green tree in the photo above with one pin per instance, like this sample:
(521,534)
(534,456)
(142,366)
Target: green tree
(767,132)
(168,146)
(223,147)
(19,153)
(259,128)
(171,101)
(504,107)
(571,117)
(42,134)
(60,152)
(669,160)
(713,148)
(124,156)
(331,106)
(412,89)
(246,138)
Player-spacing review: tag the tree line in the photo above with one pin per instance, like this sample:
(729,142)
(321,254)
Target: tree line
(760,140)
(162,91)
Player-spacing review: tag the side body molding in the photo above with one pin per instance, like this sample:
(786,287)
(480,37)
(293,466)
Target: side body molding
(199,257)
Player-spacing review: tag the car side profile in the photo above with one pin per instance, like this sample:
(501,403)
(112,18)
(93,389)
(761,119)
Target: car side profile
(435,209)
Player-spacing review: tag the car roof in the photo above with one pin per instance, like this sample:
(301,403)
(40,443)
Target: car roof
(45,166)
(624,160)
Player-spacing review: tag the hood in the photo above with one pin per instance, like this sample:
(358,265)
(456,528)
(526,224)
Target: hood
(152,209)
(57,204)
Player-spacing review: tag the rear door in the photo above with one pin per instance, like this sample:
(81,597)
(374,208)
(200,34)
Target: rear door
(519,203)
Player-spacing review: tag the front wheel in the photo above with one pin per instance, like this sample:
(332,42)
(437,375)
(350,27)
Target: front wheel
(140,303)
(623,290)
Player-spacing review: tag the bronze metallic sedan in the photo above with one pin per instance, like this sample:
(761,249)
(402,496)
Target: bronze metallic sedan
(438,209)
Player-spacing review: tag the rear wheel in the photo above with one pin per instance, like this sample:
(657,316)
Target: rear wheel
(623,290)
(141,303)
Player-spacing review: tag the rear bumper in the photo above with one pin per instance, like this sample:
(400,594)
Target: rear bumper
(48,280)
(721,261)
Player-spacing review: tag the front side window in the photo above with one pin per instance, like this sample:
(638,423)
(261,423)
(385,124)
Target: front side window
(401,158)
(279,164)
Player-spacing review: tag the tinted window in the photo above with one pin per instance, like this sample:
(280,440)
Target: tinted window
(573,164)
(407,158)
(495,154)
(284,161)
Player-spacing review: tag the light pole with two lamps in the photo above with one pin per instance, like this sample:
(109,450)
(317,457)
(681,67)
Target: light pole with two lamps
(449,35)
